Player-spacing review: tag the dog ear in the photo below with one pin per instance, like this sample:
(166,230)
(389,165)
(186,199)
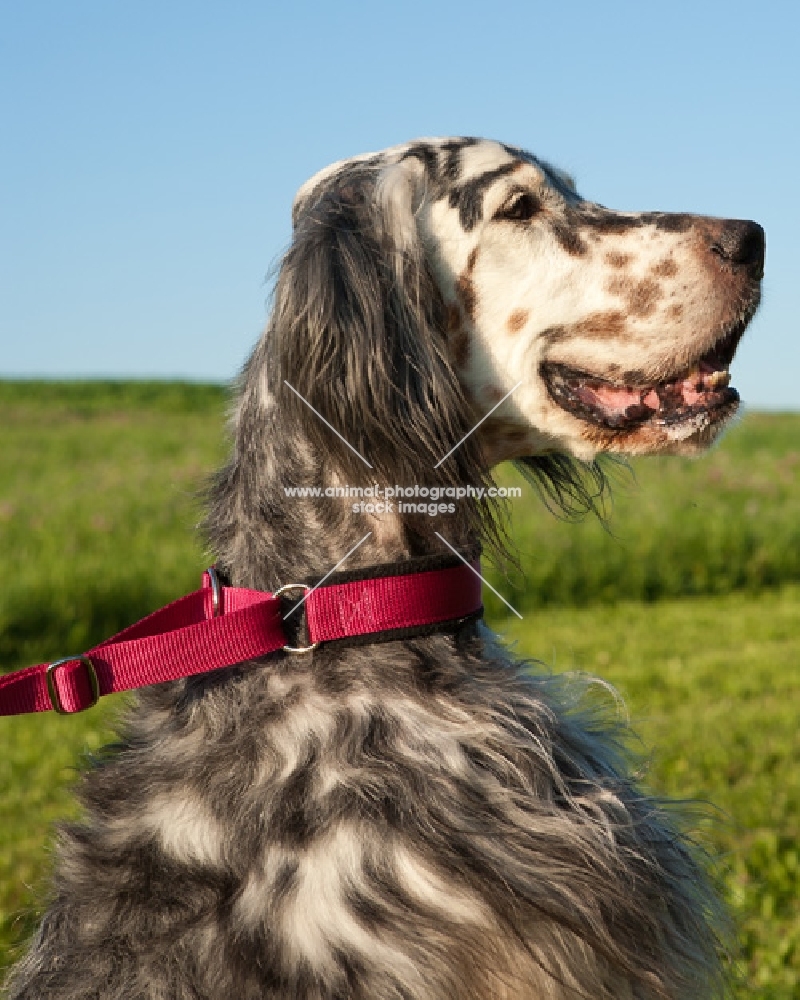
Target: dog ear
(358,330)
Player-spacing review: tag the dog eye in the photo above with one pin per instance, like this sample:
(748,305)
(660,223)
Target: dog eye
(521,207)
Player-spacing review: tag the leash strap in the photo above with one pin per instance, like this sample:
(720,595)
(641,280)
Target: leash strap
(219,626)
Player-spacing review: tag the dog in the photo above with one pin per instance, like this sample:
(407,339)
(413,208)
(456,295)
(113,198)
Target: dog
(420,817)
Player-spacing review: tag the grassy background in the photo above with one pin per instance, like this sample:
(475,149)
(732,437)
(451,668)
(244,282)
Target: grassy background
(688,602)
(727,521)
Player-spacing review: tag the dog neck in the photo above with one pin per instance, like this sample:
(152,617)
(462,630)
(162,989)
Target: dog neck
(275,516)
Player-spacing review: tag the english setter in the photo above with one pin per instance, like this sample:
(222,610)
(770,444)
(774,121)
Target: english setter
(425,817)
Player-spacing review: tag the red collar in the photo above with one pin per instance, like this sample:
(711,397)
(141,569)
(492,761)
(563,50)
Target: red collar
(218,626)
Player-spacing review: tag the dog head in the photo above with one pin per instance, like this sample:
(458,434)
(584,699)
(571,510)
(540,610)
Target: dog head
(595,331)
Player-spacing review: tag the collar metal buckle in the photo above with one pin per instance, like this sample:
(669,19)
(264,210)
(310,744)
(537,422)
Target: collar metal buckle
(52,690)
(296,586)
(216,592)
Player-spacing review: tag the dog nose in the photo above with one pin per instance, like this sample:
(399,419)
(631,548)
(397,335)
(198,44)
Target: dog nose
(741,242)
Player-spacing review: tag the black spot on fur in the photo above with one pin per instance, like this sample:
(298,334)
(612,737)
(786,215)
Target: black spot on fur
(669,222)
(378,734)
(367,911)
(297,821)
(452,164)
(468,197)
(602,220)
(428,157)
(569,238)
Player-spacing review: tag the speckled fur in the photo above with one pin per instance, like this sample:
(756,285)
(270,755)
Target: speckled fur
(417,819)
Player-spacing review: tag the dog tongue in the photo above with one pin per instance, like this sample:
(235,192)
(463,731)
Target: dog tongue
(610,398)
(623,403)
(651,400)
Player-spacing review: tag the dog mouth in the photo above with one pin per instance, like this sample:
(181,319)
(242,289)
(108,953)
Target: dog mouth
(702,389)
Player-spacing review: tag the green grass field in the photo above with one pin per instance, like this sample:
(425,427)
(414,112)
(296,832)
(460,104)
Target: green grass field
(688,601)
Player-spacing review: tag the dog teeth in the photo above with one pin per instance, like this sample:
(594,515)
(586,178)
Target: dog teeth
(718,380)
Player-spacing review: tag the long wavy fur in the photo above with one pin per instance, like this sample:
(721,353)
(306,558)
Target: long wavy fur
(417,819)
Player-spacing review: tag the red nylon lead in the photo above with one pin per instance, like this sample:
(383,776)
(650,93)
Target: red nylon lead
(220,626)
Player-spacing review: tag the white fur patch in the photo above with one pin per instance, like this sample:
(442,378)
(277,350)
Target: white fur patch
(318,917)
(184,827)
(481,158)
(434,892)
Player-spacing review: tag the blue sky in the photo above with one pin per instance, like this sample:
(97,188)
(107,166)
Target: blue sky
(150,151)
